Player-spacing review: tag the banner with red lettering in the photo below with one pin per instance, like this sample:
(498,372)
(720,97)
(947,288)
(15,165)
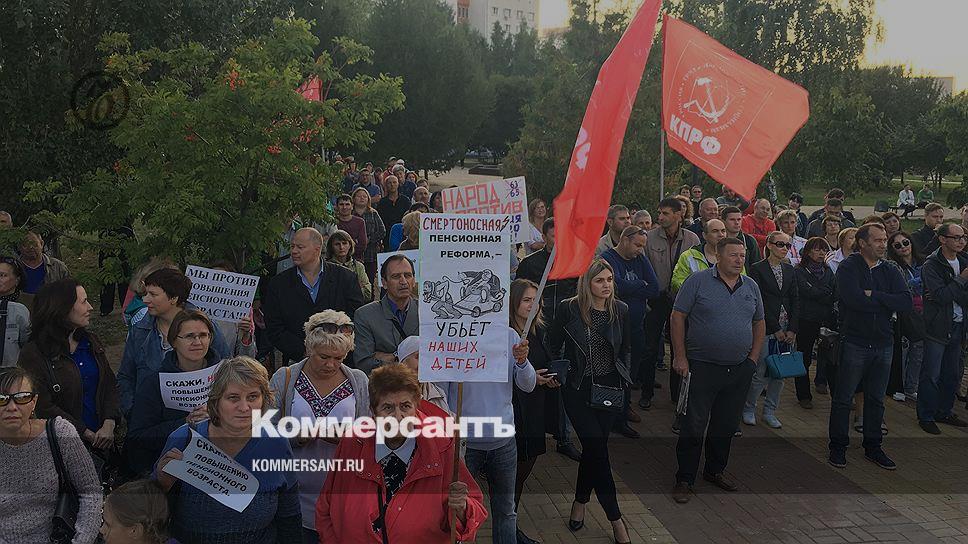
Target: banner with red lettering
(723,113)
(503,196)
(465,268)
(581,207)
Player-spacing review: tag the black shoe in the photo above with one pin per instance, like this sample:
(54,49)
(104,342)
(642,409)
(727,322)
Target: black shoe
(929,427)
(645,404)
(720,481)
(954,421)
(682,492)
(525,539)
(570,451)
(837,458)
(626,431)
(879,458)
(575,524)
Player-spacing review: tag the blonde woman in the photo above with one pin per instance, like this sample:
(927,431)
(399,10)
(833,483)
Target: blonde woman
(594,332)
(845,244)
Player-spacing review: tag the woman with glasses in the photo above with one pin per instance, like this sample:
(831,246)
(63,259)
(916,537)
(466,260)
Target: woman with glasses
(908,347)
(339,250)
(781,308)
(28,496)
(786,221)
(320,386)
(74,379)
(190,336)
(815,286)
(15,327)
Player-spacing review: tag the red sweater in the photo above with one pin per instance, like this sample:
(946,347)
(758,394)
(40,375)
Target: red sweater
(758,228)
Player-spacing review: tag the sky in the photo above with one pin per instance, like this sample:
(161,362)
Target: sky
(921,34)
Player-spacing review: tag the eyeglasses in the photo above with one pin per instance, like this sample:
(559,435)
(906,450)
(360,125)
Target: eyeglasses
(333,328)
(782,245)
(23,397)
(903,243)
(193,337)
(963,237)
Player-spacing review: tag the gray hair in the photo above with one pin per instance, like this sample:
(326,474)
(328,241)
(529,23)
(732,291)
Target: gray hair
(641,214)
(615,209)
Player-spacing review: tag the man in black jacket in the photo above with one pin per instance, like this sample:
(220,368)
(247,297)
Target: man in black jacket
(945,280)
(869,292)
(309,287)
(925,239)
(532,268)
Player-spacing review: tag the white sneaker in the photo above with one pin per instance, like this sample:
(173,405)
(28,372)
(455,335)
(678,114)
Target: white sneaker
(772,421)
(912,396)
(749,418)
(900,397)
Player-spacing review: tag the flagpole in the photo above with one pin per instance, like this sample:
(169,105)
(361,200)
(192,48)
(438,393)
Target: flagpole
(661,163)
(537,297)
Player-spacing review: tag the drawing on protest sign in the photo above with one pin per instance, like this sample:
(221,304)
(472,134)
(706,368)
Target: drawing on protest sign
(464,320)
(503,196)
(412,254)
(186,391)
(212,471)
(224,296)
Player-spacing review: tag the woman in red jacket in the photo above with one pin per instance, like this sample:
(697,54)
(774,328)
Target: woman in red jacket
(404,488)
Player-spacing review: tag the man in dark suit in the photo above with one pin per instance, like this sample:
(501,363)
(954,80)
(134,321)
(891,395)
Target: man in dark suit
(309,287)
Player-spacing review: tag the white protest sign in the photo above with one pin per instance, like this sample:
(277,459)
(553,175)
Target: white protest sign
(224,296)
(503,196)
(412,254)
(465,289)
(186,391)
(212,471)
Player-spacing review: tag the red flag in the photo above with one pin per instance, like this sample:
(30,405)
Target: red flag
(312,89)
(723,113)
(582,205)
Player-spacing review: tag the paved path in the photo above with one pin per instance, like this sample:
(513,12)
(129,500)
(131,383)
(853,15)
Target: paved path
(788,493)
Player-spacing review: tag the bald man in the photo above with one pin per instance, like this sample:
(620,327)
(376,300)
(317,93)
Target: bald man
(759,225)
(310,286)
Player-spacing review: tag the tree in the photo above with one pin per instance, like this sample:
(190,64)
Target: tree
(443,78)
(218,154)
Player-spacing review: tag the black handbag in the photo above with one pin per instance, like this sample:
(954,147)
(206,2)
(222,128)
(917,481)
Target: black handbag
(604,397)
(65,513)
(830,346)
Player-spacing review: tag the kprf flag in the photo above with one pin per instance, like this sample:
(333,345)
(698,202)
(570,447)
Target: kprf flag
(581,207)
(723,113)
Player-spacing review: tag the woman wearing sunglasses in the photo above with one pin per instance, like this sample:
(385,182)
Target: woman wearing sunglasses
(320,386)
(908,350)
(781,306)
(190,335)
(28,497)
(15,327)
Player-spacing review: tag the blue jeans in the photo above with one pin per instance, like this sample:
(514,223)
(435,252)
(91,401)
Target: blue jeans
(499,467)
(940,374)
(760,380)
(872,367)
(913,355)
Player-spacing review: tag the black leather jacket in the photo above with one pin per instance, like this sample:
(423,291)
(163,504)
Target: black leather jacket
(568,337)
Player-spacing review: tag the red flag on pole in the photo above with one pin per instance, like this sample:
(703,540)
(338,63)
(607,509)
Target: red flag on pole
(312,89)
(723,113)
(582,205)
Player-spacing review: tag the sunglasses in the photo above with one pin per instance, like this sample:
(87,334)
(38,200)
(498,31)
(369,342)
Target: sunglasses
(901,244)
(333,328)
(23,397)
(782,244)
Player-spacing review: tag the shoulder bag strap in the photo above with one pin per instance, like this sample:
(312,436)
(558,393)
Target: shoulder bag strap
(3,328)
(381,522)
(49,366)
(591,365)
(285,393)
(63,482)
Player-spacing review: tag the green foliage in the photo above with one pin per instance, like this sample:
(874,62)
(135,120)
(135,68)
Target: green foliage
(443,79)
(219,154)
(949,123)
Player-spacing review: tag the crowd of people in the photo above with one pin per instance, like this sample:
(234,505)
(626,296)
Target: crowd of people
(730,286)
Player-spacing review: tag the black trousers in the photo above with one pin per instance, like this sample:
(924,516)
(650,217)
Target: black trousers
(594,471)
(806,338)
(716,397)
(660,308)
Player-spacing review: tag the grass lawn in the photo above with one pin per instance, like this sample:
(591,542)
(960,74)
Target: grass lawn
(814,195)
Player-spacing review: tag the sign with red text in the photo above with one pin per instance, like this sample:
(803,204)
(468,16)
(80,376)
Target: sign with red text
(465,271)
(503,196)
(186,391)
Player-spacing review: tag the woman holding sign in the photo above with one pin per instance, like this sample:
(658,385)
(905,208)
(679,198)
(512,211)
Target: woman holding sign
(407,488)
(154,417)
(320,386)
(594,331)
(199,515)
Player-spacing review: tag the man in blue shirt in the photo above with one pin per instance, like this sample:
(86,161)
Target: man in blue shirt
(635,284)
